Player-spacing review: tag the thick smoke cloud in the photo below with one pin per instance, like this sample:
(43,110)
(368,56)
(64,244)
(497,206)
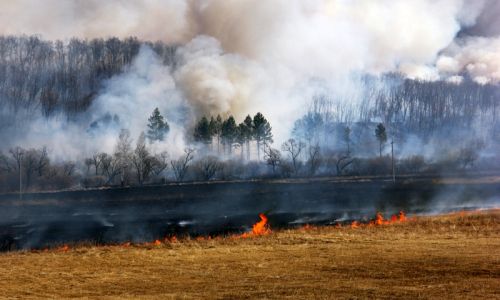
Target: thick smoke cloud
(313,37)
(239,57)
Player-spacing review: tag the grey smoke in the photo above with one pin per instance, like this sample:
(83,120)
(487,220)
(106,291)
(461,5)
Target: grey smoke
(241,57)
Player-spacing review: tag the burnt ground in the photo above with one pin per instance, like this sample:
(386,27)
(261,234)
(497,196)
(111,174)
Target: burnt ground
(140,214)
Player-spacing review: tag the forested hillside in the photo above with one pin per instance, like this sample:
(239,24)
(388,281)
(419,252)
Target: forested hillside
(429,126)
(57,76)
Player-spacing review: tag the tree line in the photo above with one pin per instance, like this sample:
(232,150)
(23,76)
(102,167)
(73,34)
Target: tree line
(54,76)
(226,133)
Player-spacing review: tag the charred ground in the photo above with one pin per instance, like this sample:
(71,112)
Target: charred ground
(447,256)
(139,214)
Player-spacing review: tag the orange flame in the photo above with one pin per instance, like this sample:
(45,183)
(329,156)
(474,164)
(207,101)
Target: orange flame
(355,224)
(307,227)
(157,243)
(259,228)
(402,216)
(379,220)
(64,248)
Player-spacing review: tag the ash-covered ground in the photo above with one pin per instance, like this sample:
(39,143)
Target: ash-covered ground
(141,214)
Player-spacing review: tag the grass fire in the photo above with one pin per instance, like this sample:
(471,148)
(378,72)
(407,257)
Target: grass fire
(444,256)
(183,149)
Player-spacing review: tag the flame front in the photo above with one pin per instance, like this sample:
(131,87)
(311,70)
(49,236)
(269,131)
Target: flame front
(379,220)
(259,228)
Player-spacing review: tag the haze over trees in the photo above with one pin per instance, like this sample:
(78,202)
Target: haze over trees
(157,127)
(58,77)
(336,135)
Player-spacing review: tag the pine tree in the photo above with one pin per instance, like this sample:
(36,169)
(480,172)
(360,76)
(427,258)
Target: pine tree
(381,136)
(242,137)
(249,133)
(202,132)
(261,132)
(229,132)
(215,128)
(158,127)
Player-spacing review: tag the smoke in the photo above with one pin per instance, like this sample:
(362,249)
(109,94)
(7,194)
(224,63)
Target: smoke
(240,57)
(125,101)
(477,56)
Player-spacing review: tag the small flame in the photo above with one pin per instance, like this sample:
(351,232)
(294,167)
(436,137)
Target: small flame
(355,224)
(402,216)
(380,220)
(259,228)
(64,248)
(307,227)
(157,243)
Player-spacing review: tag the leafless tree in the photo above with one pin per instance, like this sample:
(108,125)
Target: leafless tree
(181,165)
(294,149)
(110,167)
(97,159)
(160,163)
(342,162)
(314,159)
(208,167)
(88,163)
(123,153)
(272,157)
(69,168)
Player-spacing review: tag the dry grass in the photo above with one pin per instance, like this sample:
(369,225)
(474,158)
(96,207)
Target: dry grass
(452,256)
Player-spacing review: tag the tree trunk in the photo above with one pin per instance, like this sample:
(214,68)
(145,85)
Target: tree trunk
(258,151)
(248,150)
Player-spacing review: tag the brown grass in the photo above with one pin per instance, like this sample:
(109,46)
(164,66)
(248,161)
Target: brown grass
(451,256)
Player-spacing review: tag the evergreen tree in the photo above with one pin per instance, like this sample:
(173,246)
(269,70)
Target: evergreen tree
(381,135)
(202,132)
(242,137)
(158,127)
(229,132)
(215,128)
(261,131)
(248,133)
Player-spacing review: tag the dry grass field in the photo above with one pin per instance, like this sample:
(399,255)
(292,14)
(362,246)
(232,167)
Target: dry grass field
(450,256)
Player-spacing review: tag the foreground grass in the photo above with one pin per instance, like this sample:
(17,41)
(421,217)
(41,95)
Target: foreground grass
(452,256)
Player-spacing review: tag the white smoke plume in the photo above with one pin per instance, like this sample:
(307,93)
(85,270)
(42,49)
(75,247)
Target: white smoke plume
(243,56)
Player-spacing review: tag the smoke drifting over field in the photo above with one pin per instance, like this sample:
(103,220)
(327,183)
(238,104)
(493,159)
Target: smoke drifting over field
(241,57)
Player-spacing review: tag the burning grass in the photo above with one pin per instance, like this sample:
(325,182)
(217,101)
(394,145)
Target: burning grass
(448,256)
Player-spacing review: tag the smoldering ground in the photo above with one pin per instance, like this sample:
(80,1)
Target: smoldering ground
(149,213)
(238,58)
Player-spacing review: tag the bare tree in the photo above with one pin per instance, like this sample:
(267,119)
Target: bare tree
(342,162)
(181,165)
(110,167)
(123,153)
(314,159)
(97,159)
(69,168)
(88,163)
(160,163)
(294,149)
(273,157)
(142,160)
(42,161)
(207,167)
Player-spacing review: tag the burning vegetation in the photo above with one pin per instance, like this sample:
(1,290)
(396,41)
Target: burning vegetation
(446,256)
(262,228)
